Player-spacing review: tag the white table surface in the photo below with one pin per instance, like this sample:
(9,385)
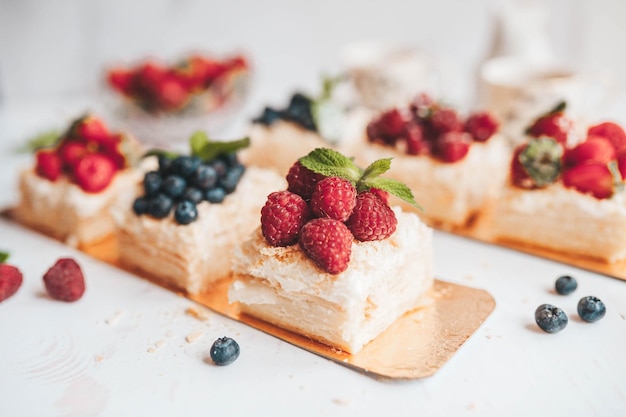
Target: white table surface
(91,358)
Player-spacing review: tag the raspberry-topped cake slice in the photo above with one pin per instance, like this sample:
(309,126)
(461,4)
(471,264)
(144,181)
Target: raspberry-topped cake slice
(455,165)
(190,211)
(567,195)
(76,180)
(331,260)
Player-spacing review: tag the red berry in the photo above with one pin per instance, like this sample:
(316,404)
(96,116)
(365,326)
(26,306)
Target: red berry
(121,80)
(553,125)
(302,180)
(421,106)
(282,218)
(372,218)
(71,152)
(327,242)
(445,120)
(519,175)
(594,149)
(382,194)
(611,131)
(64,281)
(171,94)
(595,179)
(94,172)
(387,127)
(621,163)
(10,281)
(452,146)
(90,129)
(481,126)
(49,164)
(333,197)
(416,144)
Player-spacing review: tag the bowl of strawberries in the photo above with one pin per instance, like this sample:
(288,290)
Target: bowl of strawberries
(164,103)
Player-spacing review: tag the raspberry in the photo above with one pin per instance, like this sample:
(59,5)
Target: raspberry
(416,144)
(94,172)
(90,128)
(333,197)
(64,281)
(48,165)
(282,218)
(481,126)
(327,242)
(382,194)
(372,218)
(302,181)
(421,106)
(71,152)
(452,146)
(10,281)
(445,120)
(387,127)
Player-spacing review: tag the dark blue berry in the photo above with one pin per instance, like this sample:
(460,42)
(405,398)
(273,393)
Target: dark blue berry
(140,205)
(550,319)
(565,285)
(192,194)
(219,166)
(165,163)
(205,177)
(215,195)
(591,309)
(152,182)
(224,351)
(185,166)
(185,212)
(174,185)
(230,180)
(230,158)
(299,111)
(160,206)
(268,116)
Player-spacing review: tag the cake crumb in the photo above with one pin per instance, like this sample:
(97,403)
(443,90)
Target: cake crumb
(98,358)
(193,336)
(193,311)
(342,401)
(156,346)
(112,321)
(470,406)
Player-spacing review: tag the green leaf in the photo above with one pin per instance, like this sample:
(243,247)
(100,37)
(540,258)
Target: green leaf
(198,141)
(377,168)
(392,186)
(160,152)
(331,163)
(209,150)
(3,256)
(542,160)
(43,140)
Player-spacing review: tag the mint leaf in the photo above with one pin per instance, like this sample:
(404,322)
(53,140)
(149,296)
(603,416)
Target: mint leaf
(376,168)
(160,152)
(331,163)
(198,141)
(390,185)
(4,256)
(208,150)
(42,140)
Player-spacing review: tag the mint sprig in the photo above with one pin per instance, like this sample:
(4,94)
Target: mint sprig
(3,256)
(331,163)
(42,140)
(201,146)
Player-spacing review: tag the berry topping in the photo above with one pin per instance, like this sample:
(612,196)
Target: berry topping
(282,217)
(387,128)
(160,206)
(452,146)
(215,195)
(71,152)
(372,218)
(90,129)
(49,164)
(591,309)
(553,124)
(594,149)
(192,194)
(333,197)
(10,280)
(185,166)
(302,181)
(299,111)
(541,160)
(94,172)
(621,164)
(565,285)
(443,120)
(224,351)
(610,131)
(174,185)
(550,319)
(416,144)
(328,242)
(205,177)
(140,205)
(481,126)
(185,212)
(595,179)
(231,178)
(64,281)
(152,183)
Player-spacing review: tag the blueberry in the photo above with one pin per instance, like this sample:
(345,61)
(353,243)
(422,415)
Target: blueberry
(230,158)
(299,111)
(215,195)
(152,183)
(591,309)
(185,166)
(165,163)
(268,116)
(185,212)
(174,185)
(192,194)
(230,180)
(219,166)
(160,205)
(205,177)
(565,285)
(224,351)
(550,319)
(140,205)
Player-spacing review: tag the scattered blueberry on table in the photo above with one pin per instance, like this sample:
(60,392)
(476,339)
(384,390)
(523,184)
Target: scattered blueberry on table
(591,309)
(550,319)
(224,351)
(565,285)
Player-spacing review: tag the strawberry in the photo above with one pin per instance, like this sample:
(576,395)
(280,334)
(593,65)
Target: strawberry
(328,242)
(621,163)
(302,181)
(452,146)
(372,218)
(519,176)
(282,218)
(594,149)
(171,94)
(49,165)
(71,152)
(94,172)
(10,280)
(537,163)
(553,124)
(592,178)
(333,197)
(481,126)
(610,131)
(64,281)
(121,80)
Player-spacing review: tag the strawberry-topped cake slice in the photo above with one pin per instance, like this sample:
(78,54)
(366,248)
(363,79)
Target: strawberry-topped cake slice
(190,211)
(331,260)
(77,178)
(565,194)
(454,165)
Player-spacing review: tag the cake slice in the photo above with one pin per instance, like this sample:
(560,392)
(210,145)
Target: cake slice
(189,213)
(76,181)
(335,264)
